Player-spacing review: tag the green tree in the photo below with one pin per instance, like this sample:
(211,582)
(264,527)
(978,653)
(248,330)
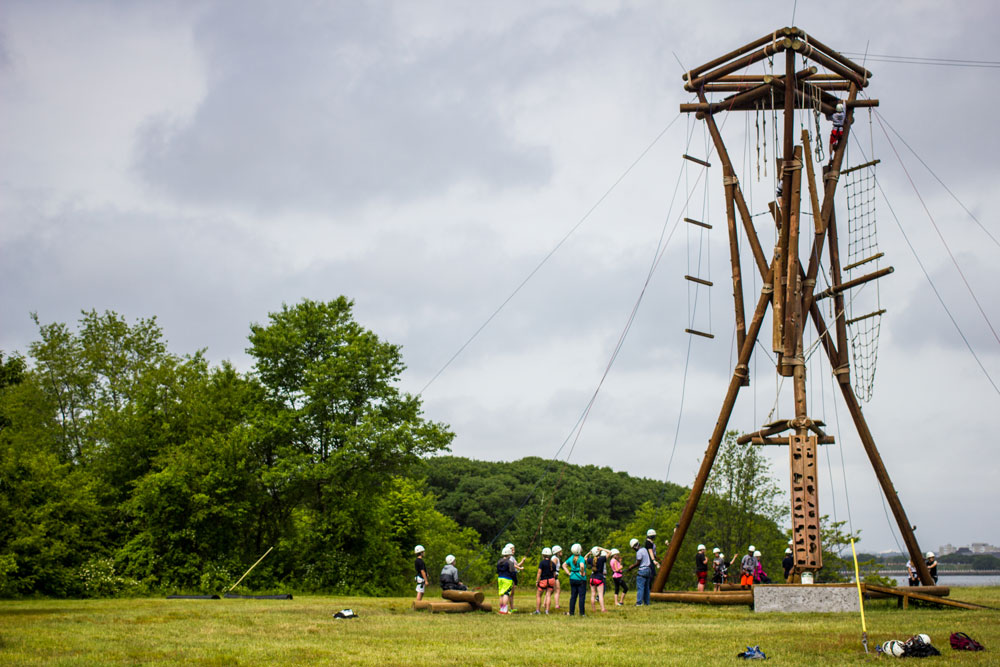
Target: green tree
(334,432)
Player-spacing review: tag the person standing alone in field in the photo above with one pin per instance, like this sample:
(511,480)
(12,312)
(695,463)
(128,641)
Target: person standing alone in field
(421,577)
(576,567)
(701,566)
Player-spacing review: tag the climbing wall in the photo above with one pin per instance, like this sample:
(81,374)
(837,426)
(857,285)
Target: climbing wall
(806,546)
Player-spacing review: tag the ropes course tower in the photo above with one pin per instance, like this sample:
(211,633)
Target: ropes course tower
(789,277)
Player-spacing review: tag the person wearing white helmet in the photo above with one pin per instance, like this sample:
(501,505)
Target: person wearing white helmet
(718,568)
(618,576)
(787,565)
(421,577)
(748,566)
(838,118)
(932,565)
(557,568)
(759,575)
(644,576)
(449,576)
(544,581)
(576,567)
(651,545)
(911,574)
(701,567)
(505,578)
(600,560)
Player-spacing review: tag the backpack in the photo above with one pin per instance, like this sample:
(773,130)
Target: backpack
(963,642)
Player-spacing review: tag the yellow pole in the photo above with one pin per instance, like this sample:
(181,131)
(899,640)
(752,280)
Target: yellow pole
(861,598)
(252,567)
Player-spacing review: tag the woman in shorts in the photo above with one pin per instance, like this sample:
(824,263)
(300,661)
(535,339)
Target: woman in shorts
(556,567)
(545,581)
(597,577)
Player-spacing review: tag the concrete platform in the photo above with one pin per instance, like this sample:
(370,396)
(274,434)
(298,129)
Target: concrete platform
(806,597)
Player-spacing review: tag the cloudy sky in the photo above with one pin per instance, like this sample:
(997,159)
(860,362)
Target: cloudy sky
(205,162)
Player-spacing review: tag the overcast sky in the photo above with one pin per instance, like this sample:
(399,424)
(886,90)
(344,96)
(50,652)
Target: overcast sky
(205,162)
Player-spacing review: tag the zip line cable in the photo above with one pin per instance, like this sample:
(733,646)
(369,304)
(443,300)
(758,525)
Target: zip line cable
(552,252)
(917,60)
(938,179)
(940,235)
(577,430)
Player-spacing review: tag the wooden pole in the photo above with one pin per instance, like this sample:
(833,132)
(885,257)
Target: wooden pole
(473,597)
(248,571)
(792,294)
(769,50)
(687,76)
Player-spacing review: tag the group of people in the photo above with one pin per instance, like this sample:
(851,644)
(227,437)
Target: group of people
(914,576)
(584,571)
(593,569)
(751,567)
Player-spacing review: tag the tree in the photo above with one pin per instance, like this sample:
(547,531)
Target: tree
(334,431)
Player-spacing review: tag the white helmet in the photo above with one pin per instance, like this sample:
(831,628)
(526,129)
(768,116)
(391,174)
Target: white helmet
(930,554)
(615,552)
(633,543)
(449,559)
(788,551)
(701,547)
(546,551)
(576,549)
(924,638)
(419,549)
(595,550)
(507,551)
(757,554)
(557,549)
(650,533)
(752,548)
(840,106)
(716,550)
(510,545)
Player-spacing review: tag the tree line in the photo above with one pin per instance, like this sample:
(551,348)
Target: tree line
(126,468)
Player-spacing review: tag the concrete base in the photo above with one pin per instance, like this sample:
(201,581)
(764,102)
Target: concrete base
(799,597)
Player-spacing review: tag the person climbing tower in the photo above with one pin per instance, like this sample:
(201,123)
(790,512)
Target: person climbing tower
(838,128)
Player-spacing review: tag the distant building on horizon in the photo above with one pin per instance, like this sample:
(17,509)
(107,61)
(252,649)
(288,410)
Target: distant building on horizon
(974,548)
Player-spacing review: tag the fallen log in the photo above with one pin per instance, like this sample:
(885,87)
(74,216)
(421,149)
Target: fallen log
(720,598)
(450,607)
(472,597)
(875,593)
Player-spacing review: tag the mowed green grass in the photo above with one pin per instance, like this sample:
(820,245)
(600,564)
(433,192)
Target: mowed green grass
(387,632)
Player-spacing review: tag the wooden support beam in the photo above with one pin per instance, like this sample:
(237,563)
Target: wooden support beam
(865,317)
(843,287)
(700,281)
(913,594)
(769,50)
(698,223)
(855,265)
(699,333)
(826,61)
(696,160)
(735,53)
(837,55)
(793,289)
(870,163)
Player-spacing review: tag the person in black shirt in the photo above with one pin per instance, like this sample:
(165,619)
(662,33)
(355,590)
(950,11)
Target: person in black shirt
(932,565)
(701,566)
(421,571)
(545,580)
(787,563)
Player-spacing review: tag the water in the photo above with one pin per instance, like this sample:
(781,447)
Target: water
(958,580)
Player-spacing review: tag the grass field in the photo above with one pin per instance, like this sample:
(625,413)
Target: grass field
(303,631)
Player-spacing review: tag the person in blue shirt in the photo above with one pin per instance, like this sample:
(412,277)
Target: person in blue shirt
(645,574)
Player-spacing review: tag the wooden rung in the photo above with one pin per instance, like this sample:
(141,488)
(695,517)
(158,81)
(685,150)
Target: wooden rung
(871,163)
(843,287)
(700,281)
(698,222)
(865,317)
(699,333)
(694,159)
(864,261)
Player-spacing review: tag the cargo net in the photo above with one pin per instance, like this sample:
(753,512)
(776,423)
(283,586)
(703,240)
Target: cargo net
(863,308)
